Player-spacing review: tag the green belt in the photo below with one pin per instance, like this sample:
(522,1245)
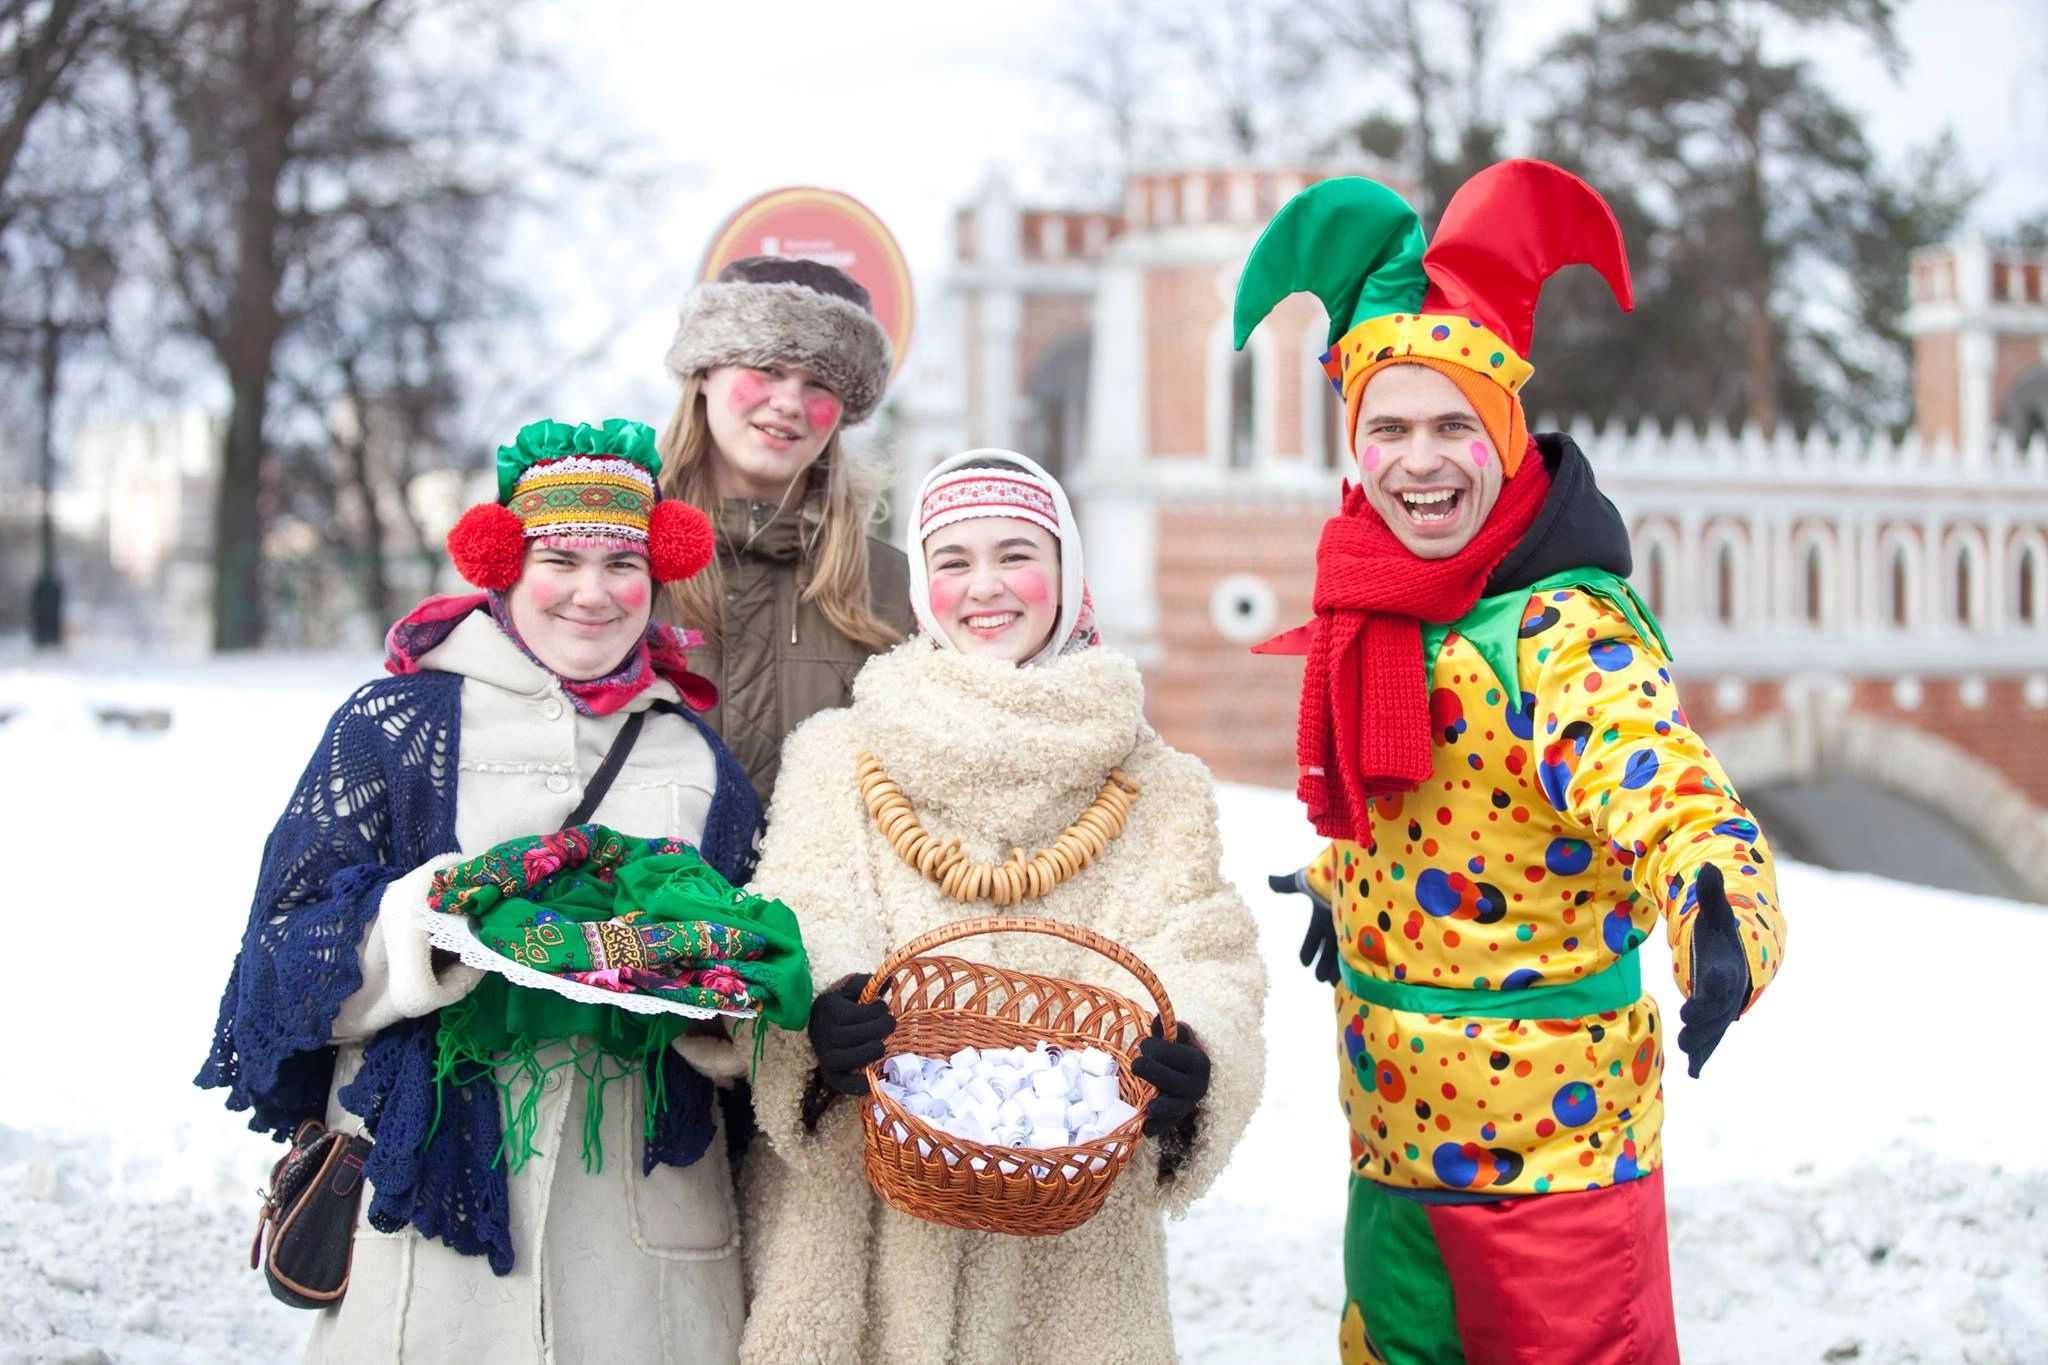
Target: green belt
(1614,987)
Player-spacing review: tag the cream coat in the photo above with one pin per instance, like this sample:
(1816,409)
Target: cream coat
(607,1266)
(998,757)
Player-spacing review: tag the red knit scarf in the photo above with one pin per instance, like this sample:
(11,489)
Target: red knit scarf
(1365,725)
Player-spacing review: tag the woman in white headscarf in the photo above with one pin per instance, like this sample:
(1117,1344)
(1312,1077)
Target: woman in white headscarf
(1001,723)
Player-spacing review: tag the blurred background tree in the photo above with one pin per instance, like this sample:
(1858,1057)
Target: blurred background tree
(316,173)
(1771,247)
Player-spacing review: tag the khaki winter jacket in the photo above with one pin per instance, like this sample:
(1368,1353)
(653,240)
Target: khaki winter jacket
(781,661)
(607,1265)
(998,757)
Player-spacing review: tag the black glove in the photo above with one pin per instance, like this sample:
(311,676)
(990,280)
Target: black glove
(847,1035)
(1319,945)
(1720,972)
(1178,1070)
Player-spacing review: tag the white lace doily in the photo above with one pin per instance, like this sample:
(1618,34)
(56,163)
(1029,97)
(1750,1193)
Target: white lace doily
(457,934)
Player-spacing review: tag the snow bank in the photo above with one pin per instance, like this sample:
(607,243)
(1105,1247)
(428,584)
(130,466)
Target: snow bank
(1854,1178)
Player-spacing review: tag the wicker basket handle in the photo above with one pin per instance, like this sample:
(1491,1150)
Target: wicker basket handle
(1026,924)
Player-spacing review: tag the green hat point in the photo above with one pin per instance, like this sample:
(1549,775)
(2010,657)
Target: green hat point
(1352,242)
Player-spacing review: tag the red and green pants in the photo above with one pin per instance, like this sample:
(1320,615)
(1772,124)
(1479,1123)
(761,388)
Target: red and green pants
(1583,1278)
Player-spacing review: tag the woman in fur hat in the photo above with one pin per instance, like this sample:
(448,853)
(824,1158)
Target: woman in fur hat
(1001,723)
(776,358)
(478,1243)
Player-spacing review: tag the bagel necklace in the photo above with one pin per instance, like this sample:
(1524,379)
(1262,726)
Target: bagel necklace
(1006,883)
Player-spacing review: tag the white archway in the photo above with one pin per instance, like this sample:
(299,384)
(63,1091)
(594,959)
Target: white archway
(1723,593)
(1240,399)
(1964,581)
(1900,596)
(1816,578)
(2026,594)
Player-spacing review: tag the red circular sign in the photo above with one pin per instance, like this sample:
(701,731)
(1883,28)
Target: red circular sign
(827,226)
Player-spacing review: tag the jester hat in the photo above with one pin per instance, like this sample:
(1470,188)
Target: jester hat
(579,486)
(1464,305)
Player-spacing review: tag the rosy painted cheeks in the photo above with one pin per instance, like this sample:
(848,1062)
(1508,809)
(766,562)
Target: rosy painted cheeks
(547,593)
(1369,458)
(632,596)
(946,595)
(747,389)
(822,412)
(1480,451)
(1031,586)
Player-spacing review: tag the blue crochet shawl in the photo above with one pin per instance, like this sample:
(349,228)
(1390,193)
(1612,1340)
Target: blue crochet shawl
(376,801)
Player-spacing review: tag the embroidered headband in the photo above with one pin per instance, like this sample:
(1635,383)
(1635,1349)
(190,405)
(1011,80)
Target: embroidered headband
(969,493)
(585,487)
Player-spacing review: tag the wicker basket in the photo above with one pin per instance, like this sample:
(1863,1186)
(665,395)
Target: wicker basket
(943,1004)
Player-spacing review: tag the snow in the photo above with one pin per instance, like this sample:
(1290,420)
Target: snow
(1858,1175)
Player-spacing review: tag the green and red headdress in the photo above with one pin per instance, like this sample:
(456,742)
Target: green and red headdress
(579,486)
(1463,304)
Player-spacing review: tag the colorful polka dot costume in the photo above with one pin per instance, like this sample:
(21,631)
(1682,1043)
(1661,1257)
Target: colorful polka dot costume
(1569,809)
(1500,1067)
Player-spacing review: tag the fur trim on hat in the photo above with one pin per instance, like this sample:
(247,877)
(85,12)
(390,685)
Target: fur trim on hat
(767,324)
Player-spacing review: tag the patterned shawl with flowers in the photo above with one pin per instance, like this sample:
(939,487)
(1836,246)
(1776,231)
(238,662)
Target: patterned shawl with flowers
(625,914)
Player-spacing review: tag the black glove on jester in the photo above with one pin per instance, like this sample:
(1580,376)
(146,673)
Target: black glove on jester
(1720,972)
(1319,945)
(847,1035)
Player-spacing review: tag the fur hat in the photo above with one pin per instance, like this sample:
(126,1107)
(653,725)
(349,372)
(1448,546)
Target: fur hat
(579,486)
(767,310)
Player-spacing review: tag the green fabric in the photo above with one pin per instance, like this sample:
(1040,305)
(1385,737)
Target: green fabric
(499,1031)
(657,893)
(686,887)
(551,440)
(1352,242)
(1395,1275)
(1616,986)
(1494,625)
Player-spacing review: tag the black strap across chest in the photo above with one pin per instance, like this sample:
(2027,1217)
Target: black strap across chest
(614,760)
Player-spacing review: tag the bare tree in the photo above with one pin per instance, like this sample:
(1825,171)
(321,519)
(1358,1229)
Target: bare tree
(277,140)
(43,44)
(1164,81)
(1439,55)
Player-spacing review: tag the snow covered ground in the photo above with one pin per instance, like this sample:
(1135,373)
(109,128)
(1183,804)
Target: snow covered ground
(1860,1175)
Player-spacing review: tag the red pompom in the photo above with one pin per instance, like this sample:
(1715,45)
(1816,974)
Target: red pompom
(678,541)
(489,546)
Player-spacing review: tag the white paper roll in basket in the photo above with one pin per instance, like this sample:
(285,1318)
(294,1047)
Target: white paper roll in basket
(944,1004)
(458,935)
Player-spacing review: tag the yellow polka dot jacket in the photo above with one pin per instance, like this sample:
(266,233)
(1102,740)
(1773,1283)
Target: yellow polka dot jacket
(1570,807)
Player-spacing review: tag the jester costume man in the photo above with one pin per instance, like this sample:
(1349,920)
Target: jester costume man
(1491,738)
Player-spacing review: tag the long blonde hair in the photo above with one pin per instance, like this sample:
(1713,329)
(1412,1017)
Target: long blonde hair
(838,495)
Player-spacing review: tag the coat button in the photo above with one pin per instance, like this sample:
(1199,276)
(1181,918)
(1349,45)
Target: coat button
(558,784)
(554,1080)
(551,708)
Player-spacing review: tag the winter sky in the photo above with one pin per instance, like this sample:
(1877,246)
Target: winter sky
(909,106)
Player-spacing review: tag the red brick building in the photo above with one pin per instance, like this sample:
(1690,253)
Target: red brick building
(1854,621)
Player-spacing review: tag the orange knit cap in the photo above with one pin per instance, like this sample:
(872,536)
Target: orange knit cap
(1499,411)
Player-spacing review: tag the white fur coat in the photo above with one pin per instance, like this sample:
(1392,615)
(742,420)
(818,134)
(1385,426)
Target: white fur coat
(998,757)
